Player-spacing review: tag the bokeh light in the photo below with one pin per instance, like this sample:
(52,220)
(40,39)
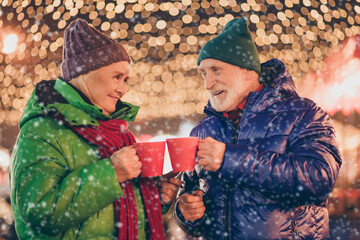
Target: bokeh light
(10,43)
(164,38)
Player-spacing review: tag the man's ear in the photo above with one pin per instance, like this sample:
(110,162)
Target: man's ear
(251,75)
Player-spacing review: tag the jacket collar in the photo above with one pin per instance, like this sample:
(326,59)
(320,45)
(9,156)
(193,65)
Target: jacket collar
(61,97)
(125,111)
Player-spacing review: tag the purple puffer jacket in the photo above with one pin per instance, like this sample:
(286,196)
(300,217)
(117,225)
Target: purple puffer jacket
(279,167)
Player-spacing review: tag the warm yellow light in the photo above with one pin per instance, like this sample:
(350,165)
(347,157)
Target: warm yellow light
(161,24)
(10,43)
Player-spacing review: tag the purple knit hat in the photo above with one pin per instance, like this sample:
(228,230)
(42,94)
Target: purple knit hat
(86,49)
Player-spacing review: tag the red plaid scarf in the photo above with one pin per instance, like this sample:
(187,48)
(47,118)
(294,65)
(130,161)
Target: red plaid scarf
(109,137)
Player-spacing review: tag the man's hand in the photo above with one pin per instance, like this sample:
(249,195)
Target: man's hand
(126,163)
(191,205)
(168,187)
(210,153)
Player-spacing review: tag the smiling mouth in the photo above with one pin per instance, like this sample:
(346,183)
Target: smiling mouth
(218,93)
(115,98)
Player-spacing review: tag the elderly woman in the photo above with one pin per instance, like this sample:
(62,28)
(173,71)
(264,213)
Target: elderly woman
(74,173)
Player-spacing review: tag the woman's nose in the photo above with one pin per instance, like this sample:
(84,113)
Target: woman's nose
(121,89)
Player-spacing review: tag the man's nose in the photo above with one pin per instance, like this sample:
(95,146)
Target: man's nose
(209,81)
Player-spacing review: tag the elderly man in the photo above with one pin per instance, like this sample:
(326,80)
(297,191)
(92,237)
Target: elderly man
(268,159)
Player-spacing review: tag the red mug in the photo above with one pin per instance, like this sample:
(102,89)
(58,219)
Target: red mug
(151,155)
(182,152)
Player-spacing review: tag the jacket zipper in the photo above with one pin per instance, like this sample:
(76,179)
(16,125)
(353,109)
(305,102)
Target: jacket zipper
(234,141)
(227,200)
(295,230)
(227,220)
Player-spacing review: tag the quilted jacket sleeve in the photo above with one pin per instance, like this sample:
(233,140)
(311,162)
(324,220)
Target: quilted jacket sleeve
(193,228)
(51,195)
(305,173)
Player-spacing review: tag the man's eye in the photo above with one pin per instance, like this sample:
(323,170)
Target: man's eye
(216,69)
(126,79)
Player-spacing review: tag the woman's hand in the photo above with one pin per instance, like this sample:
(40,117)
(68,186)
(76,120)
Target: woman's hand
(126,164)
(168,187)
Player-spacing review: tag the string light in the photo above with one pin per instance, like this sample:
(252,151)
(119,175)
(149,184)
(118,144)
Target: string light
(164,38)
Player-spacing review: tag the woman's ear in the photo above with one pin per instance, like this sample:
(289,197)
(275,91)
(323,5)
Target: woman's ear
(80,81)
(76,81)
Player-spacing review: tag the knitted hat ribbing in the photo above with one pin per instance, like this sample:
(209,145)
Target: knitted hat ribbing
(233,45)
(86,49)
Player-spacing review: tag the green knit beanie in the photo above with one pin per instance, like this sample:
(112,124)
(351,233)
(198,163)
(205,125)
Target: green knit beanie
(233,45)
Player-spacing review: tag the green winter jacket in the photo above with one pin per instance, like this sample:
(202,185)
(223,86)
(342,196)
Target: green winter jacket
(60,188)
